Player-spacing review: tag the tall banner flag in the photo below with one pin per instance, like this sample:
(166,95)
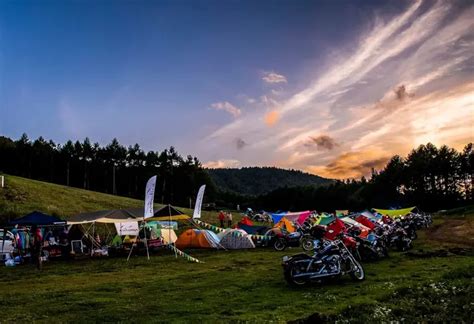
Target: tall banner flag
(197,207)
(149,196)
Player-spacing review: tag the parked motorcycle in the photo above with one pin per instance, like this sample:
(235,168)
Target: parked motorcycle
(331,260)
(284,239)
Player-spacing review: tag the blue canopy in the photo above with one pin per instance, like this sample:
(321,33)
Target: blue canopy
(253,229)
(37,219)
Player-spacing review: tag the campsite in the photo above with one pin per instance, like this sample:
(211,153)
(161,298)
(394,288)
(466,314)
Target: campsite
(239,284)
(237,161)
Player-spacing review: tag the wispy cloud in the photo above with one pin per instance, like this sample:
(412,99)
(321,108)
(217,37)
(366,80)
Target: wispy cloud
(273,77)
(227,107)
(409,80)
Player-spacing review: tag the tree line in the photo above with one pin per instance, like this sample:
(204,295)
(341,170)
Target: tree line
(428,177)
(112,168)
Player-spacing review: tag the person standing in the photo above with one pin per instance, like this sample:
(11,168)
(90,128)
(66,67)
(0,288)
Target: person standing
(229,219)
(221,218)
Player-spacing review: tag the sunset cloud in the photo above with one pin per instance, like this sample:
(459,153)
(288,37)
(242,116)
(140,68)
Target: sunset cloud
(323,142)
(352,165)
(408,81)
(271,118)
(222,164)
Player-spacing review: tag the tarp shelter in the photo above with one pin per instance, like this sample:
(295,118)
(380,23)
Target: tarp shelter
(234,239)
(370,215)
(395,212)
(107,216)
(325,219)
(286,224)
(364,230)
(197,239)
(168,213)
(365,221)
(340,213)
(259,230)
(296,217)
(37,218)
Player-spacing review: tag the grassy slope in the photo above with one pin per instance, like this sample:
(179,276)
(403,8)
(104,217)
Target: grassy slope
(233,285)
(21,196)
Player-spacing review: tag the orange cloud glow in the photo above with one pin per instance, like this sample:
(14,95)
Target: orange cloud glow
(271,118)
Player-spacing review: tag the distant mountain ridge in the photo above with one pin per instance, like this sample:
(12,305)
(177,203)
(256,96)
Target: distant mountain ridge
(259,180)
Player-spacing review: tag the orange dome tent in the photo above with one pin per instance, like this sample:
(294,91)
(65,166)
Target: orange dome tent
(197,239)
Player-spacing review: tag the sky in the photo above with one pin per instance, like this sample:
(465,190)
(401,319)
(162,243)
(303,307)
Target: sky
(334,88)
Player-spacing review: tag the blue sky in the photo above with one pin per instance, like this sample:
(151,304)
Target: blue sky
(296,84)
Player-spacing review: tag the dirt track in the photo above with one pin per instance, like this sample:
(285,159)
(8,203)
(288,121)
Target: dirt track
(458,231)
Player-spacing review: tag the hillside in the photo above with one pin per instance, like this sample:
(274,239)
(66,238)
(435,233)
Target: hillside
(256,181)
(21,196)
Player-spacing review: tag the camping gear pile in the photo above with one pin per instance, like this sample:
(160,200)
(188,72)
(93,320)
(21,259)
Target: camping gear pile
(340,242)
(34,238)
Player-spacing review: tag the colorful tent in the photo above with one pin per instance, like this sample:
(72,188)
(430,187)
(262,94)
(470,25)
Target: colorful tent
(340,213)
(395,212)
(295,217)
(245,221)
(234,239)
(197,239)
(37,219)
(286,224)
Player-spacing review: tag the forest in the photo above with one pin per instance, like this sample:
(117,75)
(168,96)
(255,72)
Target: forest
(429,177)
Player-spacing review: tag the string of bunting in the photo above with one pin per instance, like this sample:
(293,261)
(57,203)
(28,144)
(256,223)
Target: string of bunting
(184,255)
(235,233)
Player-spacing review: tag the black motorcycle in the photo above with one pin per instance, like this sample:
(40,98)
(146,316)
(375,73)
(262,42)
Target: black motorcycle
(331,260)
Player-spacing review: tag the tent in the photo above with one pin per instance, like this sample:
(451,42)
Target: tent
(168,213)
(286,224)
(37,219)
(193,238)
(395,212)
(245,221)
(234,239)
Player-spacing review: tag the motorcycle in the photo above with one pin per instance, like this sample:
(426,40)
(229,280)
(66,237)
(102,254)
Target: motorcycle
(371,248)
(332,259)
(284,239)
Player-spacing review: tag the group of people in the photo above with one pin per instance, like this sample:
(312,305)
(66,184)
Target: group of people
(223,217)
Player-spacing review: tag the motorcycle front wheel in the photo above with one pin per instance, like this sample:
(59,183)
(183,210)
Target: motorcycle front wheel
(358,274)
(307,243)
(280,244)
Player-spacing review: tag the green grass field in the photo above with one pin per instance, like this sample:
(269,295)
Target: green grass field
(433,282)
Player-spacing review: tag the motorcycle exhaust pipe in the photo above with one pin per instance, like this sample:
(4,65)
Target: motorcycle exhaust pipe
(313,275)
